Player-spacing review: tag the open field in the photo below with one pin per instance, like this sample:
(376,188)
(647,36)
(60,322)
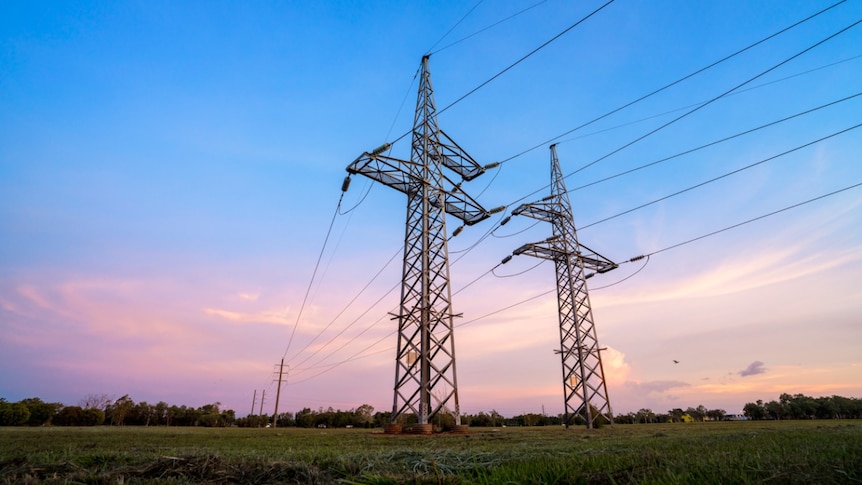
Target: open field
(725,452)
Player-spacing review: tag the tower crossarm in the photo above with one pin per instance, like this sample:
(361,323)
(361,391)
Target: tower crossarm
(549,249)
(386,170)
(543,211)
(462,206)
(596,261)
(456,159)
(543,250)
(395,173)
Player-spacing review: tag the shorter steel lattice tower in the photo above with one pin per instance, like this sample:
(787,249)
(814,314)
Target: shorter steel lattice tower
(584,389)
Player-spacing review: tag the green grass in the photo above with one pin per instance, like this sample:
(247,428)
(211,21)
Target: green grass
(740,452)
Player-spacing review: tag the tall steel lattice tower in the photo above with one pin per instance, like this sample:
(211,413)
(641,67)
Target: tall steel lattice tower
(425,377)
(584,390)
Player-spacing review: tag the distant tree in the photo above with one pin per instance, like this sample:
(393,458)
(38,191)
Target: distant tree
(305,418)
(40,412)
(364,415)
(13,414)
(284,420)
(716,414)
(260,421)
(628,418)
(160,413)
(211,416)
(798,406)
(847,408)
(676,415)
(496,418)
(381,419)
(754,410)
(119,409)
(776,410)
(480,420)
(92,417)
(69,416)
(95,401)
(645,415)
(141,414)
(698,413)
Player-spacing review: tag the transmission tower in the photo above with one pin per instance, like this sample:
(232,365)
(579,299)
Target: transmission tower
(425,378)
(584,390)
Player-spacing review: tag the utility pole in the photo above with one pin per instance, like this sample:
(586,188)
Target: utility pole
(278,393)
(262,398)
(425,358)
(584,390)
(253,400)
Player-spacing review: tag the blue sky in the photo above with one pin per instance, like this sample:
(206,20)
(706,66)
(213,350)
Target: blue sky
(169,171)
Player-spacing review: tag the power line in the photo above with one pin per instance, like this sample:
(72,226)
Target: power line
(520,272)
(313,274)
(483,29)
(764,216)
(674,246)
(735,93)
(728,57)
(510,66)
(731,137)
(336,317)
(537,49)
(453,28)
(725,175)
(697,108)
(356,320)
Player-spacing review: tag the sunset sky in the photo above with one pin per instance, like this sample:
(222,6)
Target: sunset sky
(169,172)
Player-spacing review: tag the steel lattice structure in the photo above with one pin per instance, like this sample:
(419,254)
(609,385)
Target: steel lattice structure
(584,390)
(425,377)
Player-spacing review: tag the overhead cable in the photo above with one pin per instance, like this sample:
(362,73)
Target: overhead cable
(707,145)
(351,302)
(674,83)
(681,108)
(453,28)
(483,29)
(537,49)
(697,108)
(313,275)
(727,174)
(764,216)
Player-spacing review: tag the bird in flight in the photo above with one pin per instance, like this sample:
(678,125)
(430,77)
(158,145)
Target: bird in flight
(675,361)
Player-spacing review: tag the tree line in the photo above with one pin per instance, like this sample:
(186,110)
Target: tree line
(800,406)
(95,410)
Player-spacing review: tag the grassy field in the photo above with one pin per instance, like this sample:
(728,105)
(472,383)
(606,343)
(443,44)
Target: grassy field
(727,452)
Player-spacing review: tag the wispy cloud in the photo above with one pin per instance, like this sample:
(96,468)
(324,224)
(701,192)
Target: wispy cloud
(656,386)
(241,317)
(769,267)
(754,368)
